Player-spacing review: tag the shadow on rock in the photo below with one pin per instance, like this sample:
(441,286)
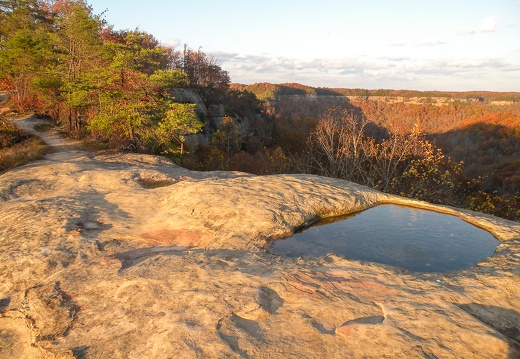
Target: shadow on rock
(80,352)
(131,258)
(87,219)
(4,303)
(505,321)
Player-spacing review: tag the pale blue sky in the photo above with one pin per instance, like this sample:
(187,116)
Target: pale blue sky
(451,45)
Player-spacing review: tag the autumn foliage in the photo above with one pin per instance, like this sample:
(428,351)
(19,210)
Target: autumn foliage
(119,89)
(60,60)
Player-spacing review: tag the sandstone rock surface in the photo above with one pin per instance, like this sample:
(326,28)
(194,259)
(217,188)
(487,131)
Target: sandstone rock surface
(95,263)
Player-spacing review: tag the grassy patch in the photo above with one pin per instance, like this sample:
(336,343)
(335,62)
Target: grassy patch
(18,147)
(43,127)
(155,183)
(96,146)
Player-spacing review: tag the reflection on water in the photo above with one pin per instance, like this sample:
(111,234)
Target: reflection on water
(415,239)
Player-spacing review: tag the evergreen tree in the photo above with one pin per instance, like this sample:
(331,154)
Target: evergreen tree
(25,50)
(80,52)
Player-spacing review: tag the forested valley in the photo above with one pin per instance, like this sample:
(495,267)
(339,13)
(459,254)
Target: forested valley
(122,90)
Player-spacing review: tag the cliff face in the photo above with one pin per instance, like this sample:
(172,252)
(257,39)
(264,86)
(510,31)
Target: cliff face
(437,101)
(130,256)
(212,116)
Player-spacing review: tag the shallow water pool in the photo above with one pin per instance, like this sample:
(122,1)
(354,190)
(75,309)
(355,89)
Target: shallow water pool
(414,239)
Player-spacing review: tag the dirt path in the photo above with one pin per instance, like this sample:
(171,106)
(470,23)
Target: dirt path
(62,149)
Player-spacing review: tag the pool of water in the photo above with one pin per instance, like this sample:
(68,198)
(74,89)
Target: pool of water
(414,239)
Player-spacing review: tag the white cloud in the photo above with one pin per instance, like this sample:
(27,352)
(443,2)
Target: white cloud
(374,72)
(466,31)
(489,24)
(425,43)
(172,43)
(430,43)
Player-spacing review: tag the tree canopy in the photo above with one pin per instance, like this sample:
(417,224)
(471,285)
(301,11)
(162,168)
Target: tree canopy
(60,59)
(119,87)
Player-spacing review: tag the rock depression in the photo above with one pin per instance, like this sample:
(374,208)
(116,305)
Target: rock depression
(97,263)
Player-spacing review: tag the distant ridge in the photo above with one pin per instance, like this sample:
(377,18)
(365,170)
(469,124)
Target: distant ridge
(269,91)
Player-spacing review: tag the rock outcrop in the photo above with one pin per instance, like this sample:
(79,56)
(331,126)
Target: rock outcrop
(97,263)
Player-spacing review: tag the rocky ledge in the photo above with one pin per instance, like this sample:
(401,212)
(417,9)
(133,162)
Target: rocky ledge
(130,256)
